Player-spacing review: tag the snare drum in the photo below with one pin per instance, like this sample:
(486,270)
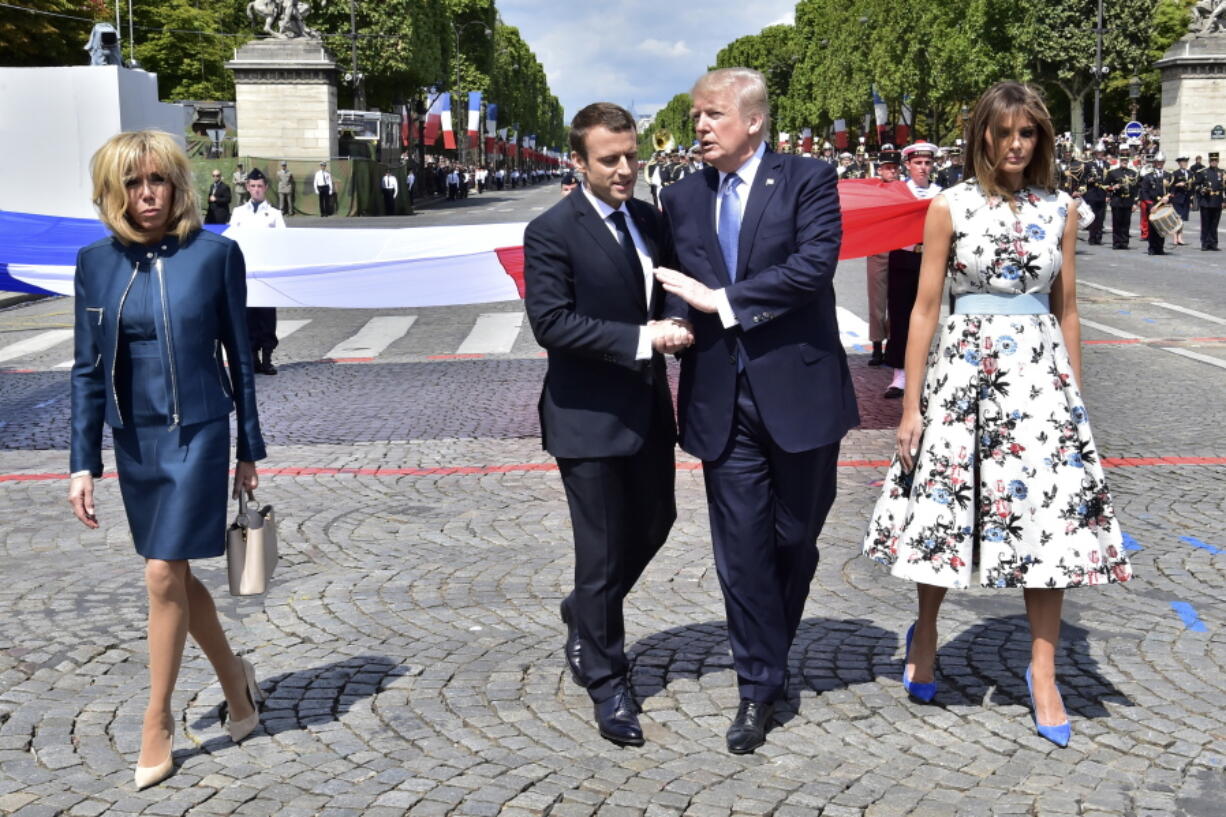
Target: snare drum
(1165,220)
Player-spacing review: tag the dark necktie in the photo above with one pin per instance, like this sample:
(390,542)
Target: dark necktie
(623,237)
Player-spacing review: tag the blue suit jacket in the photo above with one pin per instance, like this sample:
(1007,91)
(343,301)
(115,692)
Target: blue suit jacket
(204,308)
(783,298)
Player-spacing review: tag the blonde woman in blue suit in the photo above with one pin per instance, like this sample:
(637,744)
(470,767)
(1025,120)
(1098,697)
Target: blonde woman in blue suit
(156,302)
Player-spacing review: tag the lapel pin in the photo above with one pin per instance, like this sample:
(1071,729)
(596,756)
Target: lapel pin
(770,181)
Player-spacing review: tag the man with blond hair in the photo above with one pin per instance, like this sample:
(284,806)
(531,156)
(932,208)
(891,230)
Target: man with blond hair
(765,391)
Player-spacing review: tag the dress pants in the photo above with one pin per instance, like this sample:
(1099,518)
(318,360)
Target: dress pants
(325,200)
(1209,218)
(621,509)
(1152,237)
(389,202)
(878,289)
(1121,221)
(1100,215)
(285,202)
(767,507)
(262,327)
(902,287)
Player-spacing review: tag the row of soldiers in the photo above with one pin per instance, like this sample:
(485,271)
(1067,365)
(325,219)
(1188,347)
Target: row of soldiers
(669,167)
(1126,190)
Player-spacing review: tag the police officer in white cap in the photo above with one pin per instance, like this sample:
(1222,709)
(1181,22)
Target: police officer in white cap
(904,267)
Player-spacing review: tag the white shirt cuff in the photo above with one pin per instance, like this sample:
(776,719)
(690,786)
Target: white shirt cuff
(644,349)
(724,309)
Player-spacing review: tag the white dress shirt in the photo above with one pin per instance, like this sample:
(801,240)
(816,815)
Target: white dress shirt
(322,178)
(643,352)
(747,172)
(252,214)
(390,183)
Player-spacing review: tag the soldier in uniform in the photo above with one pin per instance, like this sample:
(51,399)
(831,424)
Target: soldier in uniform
(828,154)
(1209,188)
(261,320)
(238,184)
(1122,187)
(953,173)
(889,163)
(1182,180)
(1096,192)
(1155,190)
(285,189)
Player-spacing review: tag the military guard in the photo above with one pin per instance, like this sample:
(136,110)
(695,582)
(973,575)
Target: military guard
(285,190)
(1154,190)
(257,213)
(1121,185)
(1209,189)
(954,171)
(1096,191)
(1182,181)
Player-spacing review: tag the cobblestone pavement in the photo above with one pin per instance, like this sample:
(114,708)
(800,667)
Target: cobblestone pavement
(410,647)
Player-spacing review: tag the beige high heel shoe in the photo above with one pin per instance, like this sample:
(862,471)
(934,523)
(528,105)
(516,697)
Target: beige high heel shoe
(242,728)
(147,776)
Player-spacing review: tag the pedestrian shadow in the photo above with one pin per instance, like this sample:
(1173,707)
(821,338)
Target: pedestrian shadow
(309,697)
(828,654)
(987,662)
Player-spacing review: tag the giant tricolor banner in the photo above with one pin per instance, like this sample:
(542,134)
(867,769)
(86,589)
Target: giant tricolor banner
(445,117)
(410,267)
(491,125)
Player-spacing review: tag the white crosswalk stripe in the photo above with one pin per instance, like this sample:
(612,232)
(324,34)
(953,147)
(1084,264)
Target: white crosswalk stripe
(375,336)
(853,330)
(493,333)
(33,345)
(285,328)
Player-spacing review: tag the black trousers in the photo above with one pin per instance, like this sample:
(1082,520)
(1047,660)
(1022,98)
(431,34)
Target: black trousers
(1154,239)
(325,200)
(767,507)
(1100,215)
(453,190)
(902,285)
(389,202)
(1209,218)
(1121,221)
(621,509)
(262,327)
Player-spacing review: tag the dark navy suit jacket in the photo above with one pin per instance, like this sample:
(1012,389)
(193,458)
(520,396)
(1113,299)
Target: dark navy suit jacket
(586,305)
(783,298)
(204,310)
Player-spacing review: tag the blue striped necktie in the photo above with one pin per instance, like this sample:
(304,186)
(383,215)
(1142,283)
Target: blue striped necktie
(730,222)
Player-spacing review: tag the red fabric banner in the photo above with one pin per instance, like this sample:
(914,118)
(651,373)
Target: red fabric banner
(879,217)
(448,139)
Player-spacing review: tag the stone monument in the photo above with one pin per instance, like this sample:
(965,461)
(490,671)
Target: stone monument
(1194,86)
(285,88)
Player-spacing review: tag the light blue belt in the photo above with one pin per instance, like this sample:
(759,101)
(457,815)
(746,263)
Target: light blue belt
(988,303)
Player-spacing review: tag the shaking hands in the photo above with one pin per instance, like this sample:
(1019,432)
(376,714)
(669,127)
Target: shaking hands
(671,335)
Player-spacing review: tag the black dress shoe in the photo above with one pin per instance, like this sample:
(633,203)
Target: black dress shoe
(893,392)
(748,730)
(573,648)
(877,359)
(265,365)
(617,719)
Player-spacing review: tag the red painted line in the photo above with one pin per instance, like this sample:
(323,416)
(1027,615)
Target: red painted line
(484,470)
(349,359)
(18,371)
(469,356)
(1114,341)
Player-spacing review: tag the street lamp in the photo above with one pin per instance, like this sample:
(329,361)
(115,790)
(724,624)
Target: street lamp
(354,76)
(1099,70)
(1134,94)
(966,118)
(460,143)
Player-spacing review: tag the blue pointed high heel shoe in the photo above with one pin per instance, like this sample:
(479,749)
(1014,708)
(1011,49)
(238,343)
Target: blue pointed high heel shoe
(1059,734)
(921,692)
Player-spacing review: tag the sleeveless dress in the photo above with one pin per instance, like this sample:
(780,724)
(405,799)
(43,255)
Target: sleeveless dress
(174,481)
(1007,482)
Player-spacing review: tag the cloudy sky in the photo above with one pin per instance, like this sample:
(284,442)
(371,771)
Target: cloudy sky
(633,52)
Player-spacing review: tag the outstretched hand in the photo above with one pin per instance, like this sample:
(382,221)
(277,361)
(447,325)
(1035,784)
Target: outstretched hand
(694,293)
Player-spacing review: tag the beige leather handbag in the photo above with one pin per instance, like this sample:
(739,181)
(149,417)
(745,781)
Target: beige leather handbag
(251,547)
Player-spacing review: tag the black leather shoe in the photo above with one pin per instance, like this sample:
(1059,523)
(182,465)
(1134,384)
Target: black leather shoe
(893,393)
(265,365)
(573,647)
(748,730)
(617,719)
(877,359)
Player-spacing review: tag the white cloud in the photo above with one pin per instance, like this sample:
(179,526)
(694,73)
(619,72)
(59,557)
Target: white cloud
(659,48)
(788,19)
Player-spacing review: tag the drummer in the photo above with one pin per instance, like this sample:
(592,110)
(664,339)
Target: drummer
(1155,192)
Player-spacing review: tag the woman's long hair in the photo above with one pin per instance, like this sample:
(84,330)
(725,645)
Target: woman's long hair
(121,159)
(1000,105)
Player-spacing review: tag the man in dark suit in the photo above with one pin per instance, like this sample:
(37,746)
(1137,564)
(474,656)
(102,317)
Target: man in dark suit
(605,410)
(765,394)
(218,211)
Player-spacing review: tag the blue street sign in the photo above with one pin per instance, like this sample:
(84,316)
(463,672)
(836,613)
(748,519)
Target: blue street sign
(1133,130)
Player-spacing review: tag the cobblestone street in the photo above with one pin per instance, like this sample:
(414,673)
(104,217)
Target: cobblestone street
(410,648)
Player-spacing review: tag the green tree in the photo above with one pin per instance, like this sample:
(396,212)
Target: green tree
(32,39)
(675,118)
(190,65)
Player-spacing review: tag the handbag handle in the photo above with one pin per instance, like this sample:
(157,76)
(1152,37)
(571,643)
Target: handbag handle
(243,497)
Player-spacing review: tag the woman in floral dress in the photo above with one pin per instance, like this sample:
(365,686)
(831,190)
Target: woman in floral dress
(996,478)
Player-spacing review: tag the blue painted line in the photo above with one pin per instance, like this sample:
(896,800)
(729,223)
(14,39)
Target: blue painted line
(851,333)
(1130,543)
(1149,320)
(1187,613)
(858,347)
(1124,311)
(1196,543)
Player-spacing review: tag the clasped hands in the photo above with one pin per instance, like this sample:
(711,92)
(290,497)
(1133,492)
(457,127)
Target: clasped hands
(670,335)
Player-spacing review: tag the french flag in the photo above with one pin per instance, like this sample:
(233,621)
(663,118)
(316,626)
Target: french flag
(840,134)
(434,121)
(474,118)
(445,119)
(882,112)
(491,127)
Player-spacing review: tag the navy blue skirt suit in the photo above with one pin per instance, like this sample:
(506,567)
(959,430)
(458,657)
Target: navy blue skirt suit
(151,324)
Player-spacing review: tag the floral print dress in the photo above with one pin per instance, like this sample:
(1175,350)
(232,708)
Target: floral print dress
(1007,482)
